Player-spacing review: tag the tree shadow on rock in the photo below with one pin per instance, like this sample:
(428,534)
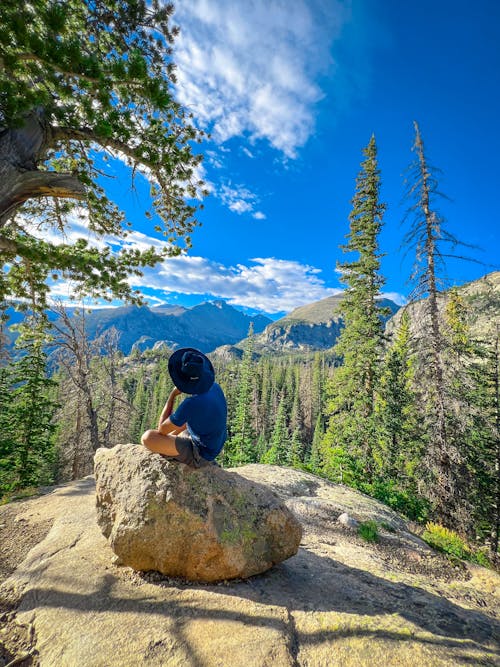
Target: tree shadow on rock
(307,583)
(310,582)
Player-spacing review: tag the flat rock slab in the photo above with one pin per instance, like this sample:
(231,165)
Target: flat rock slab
(339,601)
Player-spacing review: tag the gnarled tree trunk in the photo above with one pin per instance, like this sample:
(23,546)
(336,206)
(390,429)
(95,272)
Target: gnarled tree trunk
(22,151)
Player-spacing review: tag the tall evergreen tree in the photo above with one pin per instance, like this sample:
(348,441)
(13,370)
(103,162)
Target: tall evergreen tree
(400,440)
(279,451)
(240,447)
(7,435)
(296,414)
(317,389)
(315,457)
(264,408)
(28,458)
(139,403)
(471,374)
(296,456)
(350,405)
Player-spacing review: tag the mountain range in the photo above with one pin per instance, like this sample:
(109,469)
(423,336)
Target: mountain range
(217,327)
(205,326)
(313,327)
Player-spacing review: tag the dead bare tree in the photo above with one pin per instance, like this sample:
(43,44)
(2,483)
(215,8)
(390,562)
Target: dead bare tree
(94,407)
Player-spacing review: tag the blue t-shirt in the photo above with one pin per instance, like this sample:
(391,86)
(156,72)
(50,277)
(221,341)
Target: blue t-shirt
(206,419)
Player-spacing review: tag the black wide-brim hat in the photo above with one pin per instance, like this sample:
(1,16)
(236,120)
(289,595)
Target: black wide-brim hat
(191,371)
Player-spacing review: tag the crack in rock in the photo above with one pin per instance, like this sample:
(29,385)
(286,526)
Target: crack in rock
(293,637)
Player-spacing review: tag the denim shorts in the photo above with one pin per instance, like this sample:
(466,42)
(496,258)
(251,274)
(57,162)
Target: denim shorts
(189,453)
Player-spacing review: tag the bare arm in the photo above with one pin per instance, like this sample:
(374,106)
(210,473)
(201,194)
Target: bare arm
(168,428)
(169,406)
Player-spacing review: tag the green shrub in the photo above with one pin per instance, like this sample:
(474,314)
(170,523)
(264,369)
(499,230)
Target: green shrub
(368,530)
(446,540)
(481,558)
(449,542)
(408,503)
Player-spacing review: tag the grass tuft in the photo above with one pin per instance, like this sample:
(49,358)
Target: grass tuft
(368,530)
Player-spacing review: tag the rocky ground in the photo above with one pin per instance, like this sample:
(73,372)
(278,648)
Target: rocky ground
(19,533)
(339,601)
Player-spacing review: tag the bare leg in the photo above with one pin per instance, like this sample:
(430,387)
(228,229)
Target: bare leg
(161,444)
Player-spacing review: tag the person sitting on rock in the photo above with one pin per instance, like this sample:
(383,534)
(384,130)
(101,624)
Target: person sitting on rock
(195,433)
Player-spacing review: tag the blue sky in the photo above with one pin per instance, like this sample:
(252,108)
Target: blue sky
(291,91)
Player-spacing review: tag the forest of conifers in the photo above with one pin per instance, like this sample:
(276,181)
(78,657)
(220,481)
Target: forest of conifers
(279,411)
(408,414)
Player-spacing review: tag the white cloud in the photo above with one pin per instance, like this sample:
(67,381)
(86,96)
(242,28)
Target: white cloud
(268,284)
(214,159)
(237,198)
(258,215)
(398,298)
(154,300)
(251,68)
(77,228)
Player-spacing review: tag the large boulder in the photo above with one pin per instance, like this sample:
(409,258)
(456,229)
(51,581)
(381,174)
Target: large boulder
(203,525)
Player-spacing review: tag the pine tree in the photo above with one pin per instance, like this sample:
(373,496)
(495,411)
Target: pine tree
(296,456)
(7,434)
(139,408)
(317,389)
(278,453)
(471,373)
(240,447)
(315,458)
(296,414)
(351,429)
(400,441)
(264,408)
(31,412)
(161,387)
(261,447)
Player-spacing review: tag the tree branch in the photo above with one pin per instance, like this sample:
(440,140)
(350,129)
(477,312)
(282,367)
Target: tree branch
(7,245)
(86,134)
(36,184)
(71,74)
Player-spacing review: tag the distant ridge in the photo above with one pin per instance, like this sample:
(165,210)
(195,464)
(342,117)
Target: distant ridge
(313,327)
(205,326)
(482,300)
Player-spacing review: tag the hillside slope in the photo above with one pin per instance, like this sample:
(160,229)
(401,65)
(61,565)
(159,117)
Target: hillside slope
(481,297)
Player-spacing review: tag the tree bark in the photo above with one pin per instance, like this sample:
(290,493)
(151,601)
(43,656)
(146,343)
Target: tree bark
(22,150)
(445,488)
